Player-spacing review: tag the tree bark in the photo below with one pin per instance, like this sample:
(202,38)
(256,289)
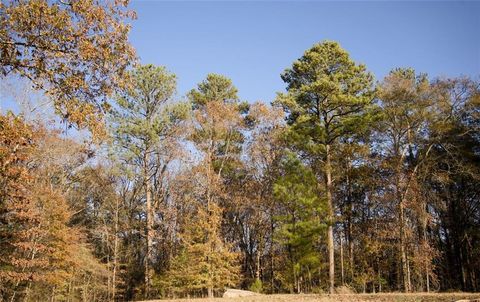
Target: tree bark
(401,222)
(149,225)
(403,252)
(115,251)
(328,184)
(272,260)
(257,265)
(349,231)
(379,281)
(425,240)
(341,259)
(210,187)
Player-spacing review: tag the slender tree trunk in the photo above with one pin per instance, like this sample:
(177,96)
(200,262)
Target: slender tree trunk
(257,264)
(471,273)
(272,260)
(341,259)
(427,266)
(294,280)
(328,184)
(210,186)
(427,276)
(349,231)
(85,289)
(462,268)
(149,224)
(350,245)
(52,297)
(409,280)
(32,257)
(379,281)
(403,252)
(27,292)
(110,276)
(401,222)
(310,283)
(115,251)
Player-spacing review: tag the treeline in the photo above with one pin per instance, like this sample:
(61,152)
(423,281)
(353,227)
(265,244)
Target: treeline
(341,181)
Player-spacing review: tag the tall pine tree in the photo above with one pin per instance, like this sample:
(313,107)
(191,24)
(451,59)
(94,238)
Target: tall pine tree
(328,98)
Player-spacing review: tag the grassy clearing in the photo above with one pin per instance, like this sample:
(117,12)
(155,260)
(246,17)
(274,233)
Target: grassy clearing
(391,297)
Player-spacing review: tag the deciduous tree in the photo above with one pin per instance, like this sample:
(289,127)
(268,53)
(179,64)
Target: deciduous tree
(76,51)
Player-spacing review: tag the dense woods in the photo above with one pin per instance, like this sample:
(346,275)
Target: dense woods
(342,180)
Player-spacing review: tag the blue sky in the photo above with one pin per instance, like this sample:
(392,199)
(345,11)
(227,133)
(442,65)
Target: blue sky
(253,42)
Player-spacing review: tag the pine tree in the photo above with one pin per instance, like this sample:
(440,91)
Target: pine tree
(216,134)
(300,223)
(145,119)
(205,263)
(328,98)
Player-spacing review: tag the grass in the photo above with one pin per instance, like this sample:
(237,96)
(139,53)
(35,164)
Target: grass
(390,297)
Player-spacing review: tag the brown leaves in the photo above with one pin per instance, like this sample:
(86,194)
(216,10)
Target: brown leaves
(38,245)
(75,51)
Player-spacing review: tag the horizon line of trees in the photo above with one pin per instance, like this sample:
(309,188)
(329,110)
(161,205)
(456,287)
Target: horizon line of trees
(340,182)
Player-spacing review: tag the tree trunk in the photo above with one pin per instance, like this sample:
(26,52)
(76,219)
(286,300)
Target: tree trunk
(350,246)
(427,266)
(209,240)
(257,265)
(409,281)
(403,252)
(328,184)
(115,251)
(294,289)
(349,233)
(149,224)
(52,297)
(341,259)
(27,292)
(272,260)
(427,277)
(401,222)
(379,281)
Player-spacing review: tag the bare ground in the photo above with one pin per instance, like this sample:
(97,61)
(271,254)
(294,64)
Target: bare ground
(390,297)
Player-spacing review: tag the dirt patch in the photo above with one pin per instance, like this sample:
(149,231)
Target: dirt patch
(344,290)
(236,293)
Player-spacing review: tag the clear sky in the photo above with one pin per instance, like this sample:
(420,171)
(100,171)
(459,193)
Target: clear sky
(253,42)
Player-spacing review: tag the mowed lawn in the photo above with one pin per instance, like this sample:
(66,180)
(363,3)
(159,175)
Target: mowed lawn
(391,297)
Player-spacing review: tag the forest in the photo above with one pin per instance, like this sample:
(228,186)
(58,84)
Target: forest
(342,180)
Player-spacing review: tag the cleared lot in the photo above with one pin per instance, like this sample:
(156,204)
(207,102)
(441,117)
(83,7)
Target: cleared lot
(393,297)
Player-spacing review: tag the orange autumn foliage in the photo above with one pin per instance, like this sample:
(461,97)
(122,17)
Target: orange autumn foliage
(75,51)
(37,246)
